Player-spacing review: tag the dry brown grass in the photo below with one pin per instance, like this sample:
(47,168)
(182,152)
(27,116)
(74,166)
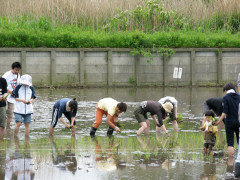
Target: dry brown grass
(200,10)
(67,10)
(98,11)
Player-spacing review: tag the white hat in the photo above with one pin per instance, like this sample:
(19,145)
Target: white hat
(26,80)
(167,107)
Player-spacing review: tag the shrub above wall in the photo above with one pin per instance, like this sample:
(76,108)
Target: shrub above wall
(62,38)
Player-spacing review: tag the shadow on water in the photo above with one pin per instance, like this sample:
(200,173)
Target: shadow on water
(122,156)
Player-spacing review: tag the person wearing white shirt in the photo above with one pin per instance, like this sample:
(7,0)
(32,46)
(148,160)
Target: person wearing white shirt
(173,114)
(111,109)
(23,109)
(12,77)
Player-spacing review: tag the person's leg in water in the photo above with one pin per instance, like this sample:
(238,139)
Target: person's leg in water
(27,129)
(144,127)
(210,150)
(96,124)
(205,148)
(9,112)
(73,129)
(27,121)
(16,129)
(54,121)
(175,125)
(110,129)
(142,120)
(172,116)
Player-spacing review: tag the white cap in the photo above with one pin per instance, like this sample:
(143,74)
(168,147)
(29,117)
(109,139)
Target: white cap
(26,80)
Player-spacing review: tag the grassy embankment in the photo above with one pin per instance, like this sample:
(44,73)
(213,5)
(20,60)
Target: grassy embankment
(120,24)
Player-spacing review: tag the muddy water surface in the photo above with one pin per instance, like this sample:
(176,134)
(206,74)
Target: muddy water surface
(123,156)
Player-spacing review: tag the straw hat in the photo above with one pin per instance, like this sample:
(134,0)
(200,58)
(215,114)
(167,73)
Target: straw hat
(26,80)
(167,107)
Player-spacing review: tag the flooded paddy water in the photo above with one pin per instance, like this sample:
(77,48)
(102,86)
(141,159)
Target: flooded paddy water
(123,156)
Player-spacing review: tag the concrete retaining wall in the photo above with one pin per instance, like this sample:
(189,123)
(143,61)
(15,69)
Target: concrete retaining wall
(116,67)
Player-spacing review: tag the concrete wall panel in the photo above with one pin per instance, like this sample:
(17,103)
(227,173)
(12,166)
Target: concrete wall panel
(116,67)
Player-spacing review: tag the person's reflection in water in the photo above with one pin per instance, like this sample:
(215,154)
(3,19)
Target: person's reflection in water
(144,143)
(2,158)
(106,159)
(230,165)
(162,139)
(20,165)
(172,146)
(64,159)
(209,170)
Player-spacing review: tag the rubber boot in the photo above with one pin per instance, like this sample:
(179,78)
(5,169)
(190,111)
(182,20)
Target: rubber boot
(93,131)
(110,131)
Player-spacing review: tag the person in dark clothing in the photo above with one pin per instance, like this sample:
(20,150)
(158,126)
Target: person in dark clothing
(231,108)
(154,108)
(68,107)
(3,99)
(237,162)
(214,104)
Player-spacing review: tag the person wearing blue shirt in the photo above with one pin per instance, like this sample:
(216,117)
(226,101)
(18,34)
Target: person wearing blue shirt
(68,107)
(231,111)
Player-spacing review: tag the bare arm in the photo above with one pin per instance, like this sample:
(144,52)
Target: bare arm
(10,92)
(73,119)
(221,118)
(21,100)
(61,119)
(109,117)
(175,111)
(31,101)
(4,97)
(163,128)
(155,120)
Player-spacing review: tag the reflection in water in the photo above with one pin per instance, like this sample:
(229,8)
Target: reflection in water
(105,158)
(64,159)
(19,164)
(209,172)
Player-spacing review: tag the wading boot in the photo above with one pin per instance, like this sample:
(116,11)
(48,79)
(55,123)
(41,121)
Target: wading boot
(110,131)
(93,131)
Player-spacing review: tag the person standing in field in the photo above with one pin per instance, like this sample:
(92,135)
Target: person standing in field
(12,77)
(173,113)
(111,109)
(231,110)
(237,162)
(154,108)
(68,107)
(3,96)
(210,132)
(23,109)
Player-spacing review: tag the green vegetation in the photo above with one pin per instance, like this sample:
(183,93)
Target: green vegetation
(179,118)
(154,24)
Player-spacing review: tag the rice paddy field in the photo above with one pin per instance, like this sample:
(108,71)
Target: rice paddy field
(122,156)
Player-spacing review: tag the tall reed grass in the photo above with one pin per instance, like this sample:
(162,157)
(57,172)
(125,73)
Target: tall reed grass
(147,16)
